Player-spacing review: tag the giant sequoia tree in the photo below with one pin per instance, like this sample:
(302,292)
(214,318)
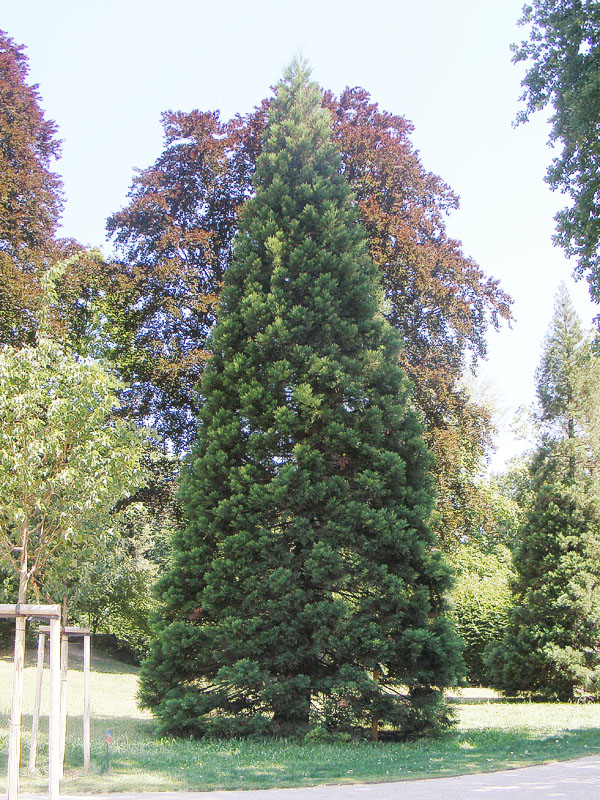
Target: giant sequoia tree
(553,639)
(174,241)
(307,580)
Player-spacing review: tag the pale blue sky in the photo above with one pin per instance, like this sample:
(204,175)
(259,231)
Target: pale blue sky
(107,69)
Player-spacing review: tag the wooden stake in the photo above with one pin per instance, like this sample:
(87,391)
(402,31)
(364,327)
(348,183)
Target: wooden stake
(14,737)
(14,741)
(54,719)
(86,702)
(35,723)
(64,666)
(20,612)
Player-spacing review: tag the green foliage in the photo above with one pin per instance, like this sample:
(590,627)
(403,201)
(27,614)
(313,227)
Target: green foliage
(65,458)
(513,485)
(506,513)
(109,588)
(307,570)
(482,600)
(552,644)
(563,60)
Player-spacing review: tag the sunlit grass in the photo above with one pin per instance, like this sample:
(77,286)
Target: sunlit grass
(489,735)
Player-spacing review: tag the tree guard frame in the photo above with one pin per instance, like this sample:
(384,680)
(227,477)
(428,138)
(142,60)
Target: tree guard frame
(23,611)
(66,634)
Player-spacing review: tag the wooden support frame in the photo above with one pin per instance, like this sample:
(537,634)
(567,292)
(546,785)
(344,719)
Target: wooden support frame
(67,633)
(20,612)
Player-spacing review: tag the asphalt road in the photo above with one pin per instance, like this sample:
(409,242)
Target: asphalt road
(574,780)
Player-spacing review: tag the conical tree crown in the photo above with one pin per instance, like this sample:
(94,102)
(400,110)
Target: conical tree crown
(307,580)
(552,642)
(556,374)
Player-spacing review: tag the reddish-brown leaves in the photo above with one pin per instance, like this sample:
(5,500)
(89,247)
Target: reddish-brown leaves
(30,195)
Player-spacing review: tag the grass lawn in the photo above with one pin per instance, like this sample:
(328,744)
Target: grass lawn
(490,735)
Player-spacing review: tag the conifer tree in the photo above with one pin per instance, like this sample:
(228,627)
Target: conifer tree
(307,584)
(552,644)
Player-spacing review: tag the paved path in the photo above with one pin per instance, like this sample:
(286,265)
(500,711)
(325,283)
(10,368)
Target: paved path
(572,780)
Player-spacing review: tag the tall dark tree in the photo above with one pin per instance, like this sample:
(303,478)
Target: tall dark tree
(563,71)
(553,640)
(307,581)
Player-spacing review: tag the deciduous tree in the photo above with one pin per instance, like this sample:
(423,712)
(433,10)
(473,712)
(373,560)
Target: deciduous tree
(65,457)
(30,207)
(65,460)
(562,55)
(30,194)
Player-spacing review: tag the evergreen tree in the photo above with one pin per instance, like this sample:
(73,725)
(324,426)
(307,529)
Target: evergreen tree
(307,584)
(552,644)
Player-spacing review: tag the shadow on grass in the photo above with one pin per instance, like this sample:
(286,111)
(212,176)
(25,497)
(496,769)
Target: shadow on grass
(100,662)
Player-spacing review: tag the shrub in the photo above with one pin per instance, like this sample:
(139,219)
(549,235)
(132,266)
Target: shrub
(482,602)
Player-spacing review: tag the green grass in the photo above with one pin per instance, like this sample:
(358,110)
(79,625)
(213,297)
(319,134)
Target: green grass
(490,735)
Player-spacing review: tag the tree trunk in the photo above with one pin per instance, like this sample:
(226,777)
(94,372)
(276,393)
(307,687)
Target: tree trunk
(293,718)
(375,722)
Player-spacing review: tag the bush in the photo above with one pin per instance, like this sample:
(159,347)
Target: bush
(482,602)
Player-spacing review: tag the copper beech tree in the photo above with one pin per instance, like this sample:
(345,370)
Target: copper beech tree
(30,207)
(174,240)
